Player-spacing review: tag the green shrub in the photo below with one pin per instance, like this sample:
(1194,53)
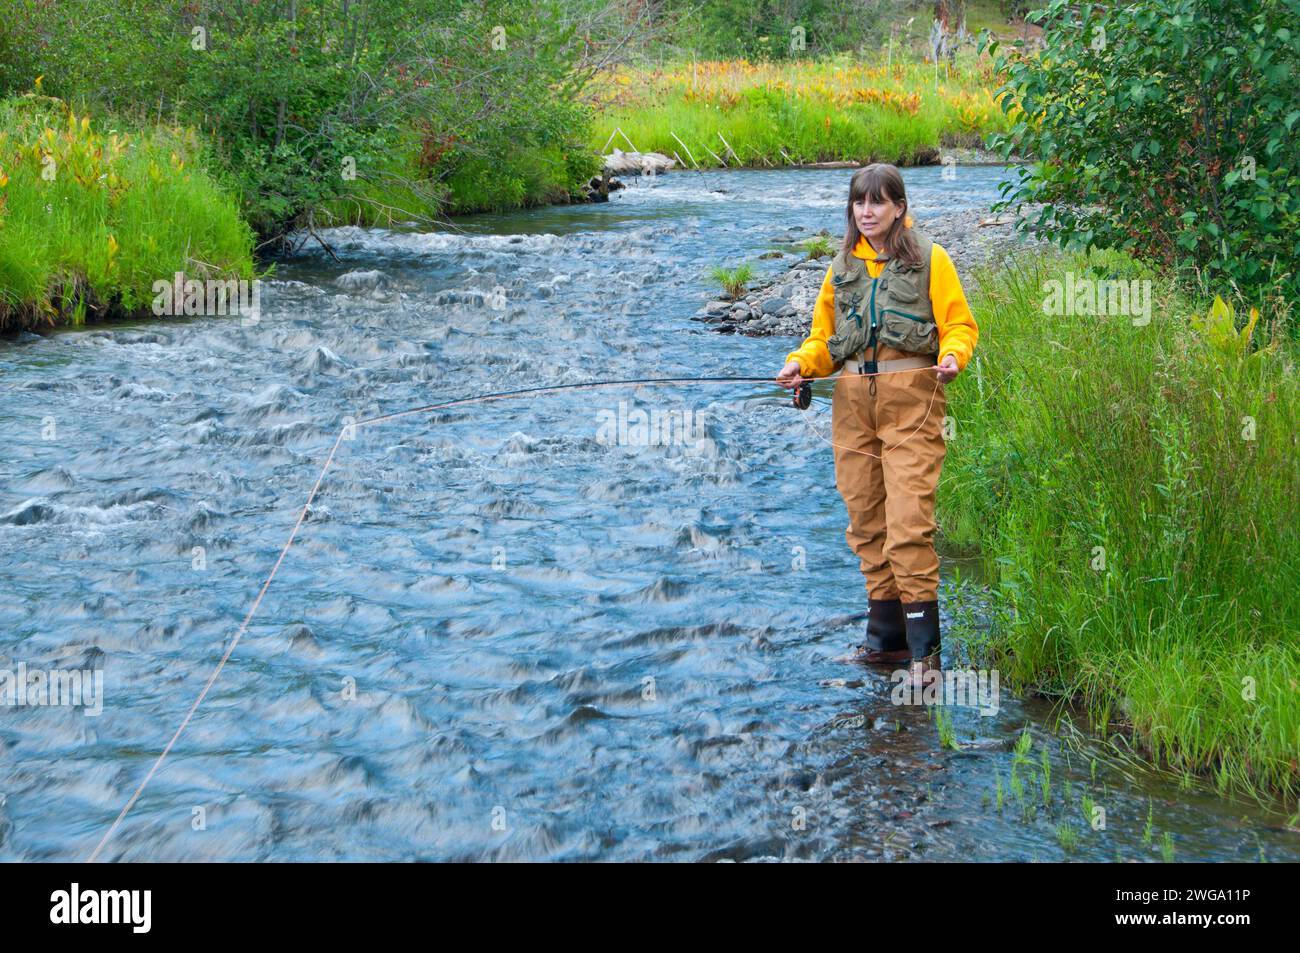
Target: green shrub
(765,29)
(1167,129)
(401,109)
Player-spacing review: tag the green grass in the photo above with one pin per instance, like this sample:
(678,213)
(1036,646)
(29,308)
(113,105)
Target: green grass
(1141,545)
(116,213)
(943,723)
(1067,837)
(395,189)
(734,112)
(819,246)
(389,192)
(733,282)
(988,15)
(1089,809)
(1167,848)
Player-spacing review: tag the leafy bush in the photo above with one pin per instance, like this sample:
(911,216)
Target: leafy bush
(1166,129)
(764,30)
(308,105)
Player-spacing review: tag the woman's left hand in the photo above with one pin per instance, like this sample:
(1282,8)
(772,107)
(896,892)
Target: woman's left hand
(946,369)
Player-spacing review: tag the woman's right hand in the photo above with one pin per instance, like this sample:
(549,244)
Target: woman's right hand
(789,377)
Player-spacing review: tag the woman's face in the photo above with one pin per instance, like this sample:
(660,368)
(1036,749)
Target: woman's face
(875,219)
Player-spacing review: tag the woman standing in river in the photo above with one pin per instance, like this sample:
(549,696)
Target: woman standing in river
(891,307)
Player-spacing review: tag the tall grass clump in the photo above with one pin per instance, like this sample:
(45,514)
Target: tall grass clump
(1132,488)
(89,220)
(733,282)
(739,113)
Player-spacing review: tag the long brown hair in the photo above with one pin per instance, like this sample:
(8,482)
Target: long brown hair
(876,182)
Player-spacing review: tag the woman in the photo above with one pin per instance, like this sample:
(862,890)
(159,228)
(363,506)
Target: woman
(892,313)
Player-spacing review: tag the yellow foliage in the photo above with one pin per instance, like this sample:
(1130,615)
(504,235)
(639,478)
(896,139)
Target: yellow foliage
(1218,328)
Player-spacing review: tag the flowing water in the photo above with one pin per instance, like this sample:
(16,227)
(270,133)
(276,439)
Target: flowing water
(529,629)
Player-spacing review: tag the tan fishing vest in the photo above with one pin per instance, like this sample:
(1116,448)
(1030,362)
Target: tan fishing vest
(893,309)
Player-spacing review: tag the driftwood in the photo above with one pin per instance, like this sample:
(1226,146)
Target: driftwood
(642,163)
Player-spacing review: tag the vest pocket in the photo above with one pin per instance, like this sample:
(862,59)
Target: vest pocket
(908,332)
(846,342)
(903,287)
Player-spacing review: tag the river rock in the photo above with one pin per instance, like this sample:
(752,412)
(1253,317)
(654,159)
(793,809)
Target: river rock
(362,280)
(599,187)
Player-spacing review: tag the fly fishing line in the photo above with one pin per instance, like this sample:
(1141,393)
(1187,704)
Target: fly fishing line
(802,399)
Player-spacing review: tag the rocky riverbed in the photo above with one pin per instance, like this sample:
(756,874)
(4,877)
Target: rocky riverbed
(782,304)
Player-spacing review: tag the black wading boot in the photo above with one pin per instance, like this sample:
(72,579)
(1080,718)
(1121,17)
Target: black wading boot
(886,642)
(922,621)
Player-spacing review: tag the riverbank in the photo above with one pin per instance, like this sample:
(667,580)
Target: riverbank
(1130,486)
(99,260)
(91,217)
(734,113)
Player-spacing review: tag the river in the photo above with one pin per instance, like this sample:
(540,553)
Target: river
(518,630)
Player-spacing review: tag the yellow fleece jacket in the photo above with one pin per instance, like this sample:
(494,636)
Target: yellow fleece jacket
(957,329)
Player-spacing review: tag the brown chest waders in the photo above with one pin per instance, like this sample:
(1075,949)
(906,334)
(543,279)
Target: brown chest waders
(889,447)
